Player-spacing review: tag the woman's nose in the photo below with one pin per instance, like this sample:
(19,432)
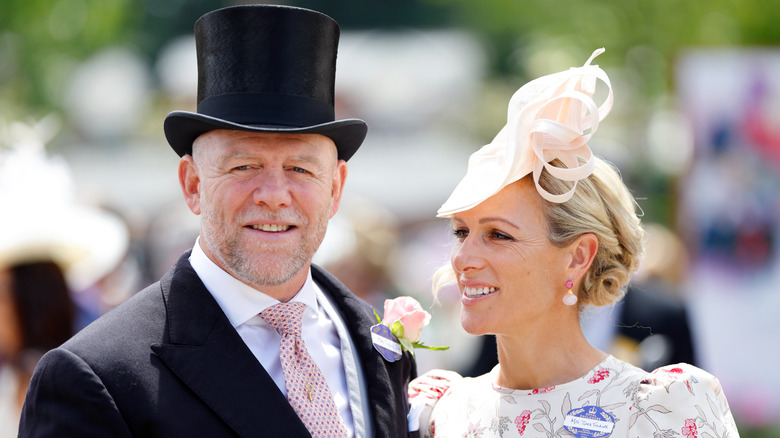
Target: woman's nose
(467,255)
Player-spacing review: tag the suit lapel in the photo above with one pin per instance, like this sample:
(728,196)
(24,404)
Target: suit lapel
(385,387)
(207,354)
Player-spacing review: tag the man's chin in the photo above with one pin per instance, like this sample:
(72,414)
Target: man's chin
(266,272)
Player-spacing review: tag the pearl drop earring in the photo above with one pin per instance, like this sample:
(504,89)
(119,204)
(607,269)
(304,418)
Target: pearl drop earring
(569,299)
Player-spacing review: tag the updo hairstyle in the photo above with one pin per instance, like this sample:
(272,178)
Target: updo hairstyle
(601,205)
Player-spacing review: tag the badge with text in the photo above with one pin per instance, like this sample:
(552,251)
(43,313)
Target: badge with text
(589,422)
(386,343)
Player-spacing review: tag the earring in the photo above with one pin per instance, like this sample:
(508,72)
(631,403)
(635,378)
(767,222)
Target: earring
(569,299)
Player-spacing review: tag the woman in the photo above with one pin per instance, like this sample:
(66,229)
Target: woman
(36,315)
(543,227)
(50,246)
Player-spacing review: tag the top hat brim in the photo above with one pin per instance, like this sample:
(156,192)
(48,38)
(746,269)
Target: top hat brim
(183,127)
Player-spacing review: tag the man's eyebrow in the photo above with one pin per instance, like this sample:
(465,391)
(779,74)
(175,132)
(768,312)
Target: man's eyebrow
(225,158)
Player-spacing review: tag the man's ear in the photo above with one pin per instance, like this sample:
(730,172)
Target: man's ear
(189,180)
(582,252)
(339,178)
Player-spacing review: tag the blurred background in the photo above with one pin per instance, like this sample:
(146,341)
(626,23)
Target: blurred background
(695,131)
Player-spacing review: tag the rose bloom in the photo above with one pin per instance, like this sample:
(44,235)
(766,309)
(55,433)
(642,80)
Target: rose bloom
(410,313)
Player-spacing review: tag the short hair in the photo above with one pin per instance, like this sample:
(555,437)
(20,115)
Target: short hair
(603,206)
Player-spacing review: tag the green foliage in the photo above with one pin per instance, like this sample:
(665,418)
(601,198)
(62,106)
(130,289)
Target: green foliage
(763,432)
(41,41)
(666,26)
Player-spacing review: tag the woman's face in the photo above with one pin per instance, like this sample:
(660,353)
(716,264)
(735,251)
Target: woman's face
(511,278)
(10,330)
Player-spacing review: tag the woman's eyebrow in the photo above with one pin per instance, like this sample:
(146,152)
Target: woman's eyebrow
(485,220)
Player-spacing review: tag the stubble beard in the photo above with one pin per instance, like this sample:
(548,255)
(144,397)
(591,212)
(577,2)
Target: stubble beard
(276,263)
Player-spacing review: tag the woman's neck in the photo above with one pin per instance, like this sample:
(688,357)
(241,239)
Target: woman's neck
(544,358)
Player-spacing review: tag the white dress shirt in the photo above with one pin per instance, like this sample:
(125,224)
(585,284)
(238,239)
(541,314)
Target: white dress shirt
(242,305)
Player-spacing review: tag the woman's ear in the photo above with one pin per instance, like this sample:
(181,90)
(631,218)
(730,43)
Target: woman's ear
(583,251)
(189,180)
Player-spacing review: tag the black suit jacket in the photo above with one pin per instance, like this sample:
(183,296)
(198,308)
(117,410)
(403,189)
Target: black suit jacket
(168,363)
(649,311)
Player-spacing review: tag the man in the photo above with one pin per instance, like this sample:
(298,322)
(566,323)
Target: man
(202,352)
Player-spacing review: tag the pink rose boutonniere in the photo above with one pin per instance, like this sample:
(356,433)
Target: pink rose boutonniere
(405,319)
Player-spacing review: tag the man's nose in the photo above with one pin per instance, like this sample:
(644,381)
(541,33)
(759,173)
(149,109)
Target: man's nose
(272,189)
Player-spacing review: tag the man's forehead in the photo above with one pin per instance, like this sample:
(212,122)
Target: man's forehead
(250,139)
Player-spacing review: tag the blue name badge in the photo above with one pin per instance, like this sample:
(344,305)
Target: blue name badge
(589,422)
(386,343)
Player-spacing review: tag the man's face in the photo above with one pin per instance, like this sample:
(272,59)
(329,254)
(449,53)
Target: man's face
(264,200)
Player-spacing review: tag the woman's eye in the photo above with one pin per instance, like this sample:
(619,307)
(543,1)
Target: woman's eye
(460,233)
(500,236)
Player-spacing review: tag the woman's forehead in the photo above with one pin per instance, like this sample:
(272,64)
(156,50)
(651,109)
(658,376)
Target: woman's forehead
(518,204)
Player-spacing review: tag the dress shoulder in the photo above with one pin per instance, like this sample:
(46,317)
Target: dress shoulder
(681,399)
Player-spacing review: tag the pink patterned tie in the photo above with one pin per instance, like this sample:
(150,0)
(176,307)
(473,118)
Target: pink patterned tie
(307,391)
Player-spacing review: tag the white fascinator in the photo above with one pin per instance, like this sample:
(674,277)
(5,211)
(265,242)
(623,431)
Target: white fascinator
(549,118)
(40,218)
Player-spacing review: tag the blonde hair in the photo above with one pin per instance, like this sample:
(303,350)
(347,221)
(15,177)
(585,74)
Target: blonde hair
(603,206)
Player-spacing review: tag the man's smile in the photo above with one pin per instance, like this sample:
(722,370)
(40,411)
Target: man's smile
(274,228)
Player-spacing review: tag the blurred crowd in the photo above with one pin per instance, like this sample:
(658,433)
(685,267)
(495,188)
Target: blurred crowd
(706,298)
(62,263)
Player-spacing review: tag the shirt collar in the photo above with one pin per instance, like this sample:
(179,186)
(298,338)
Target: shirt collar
(239,301)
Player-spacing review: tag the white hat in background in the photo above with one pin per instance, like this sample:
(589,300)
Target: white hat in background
(40,218)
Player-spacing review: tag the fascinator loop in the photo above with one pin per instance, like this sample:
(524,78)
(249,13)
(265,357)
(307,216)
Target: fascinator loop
(552,117)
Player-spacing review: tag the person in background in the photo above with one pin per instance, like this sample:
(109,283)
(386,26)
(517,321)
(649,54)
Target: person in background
(652,325)
(359,249)
(543,227)
(36,315)
(47,250)
(243,336)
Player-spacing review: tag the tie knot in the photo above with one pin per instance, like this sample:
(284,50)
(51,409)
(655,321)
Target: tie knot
(285,317)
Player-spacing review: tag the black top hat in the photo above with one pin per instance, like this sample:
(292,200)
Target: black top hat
(265,68)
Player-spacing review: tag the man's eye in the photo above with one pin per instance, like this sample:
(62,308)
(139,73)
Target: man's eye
(299,170)
(244,167)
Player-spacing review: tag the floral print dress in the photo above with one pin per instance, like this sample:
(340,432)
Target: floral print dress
(614,399)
